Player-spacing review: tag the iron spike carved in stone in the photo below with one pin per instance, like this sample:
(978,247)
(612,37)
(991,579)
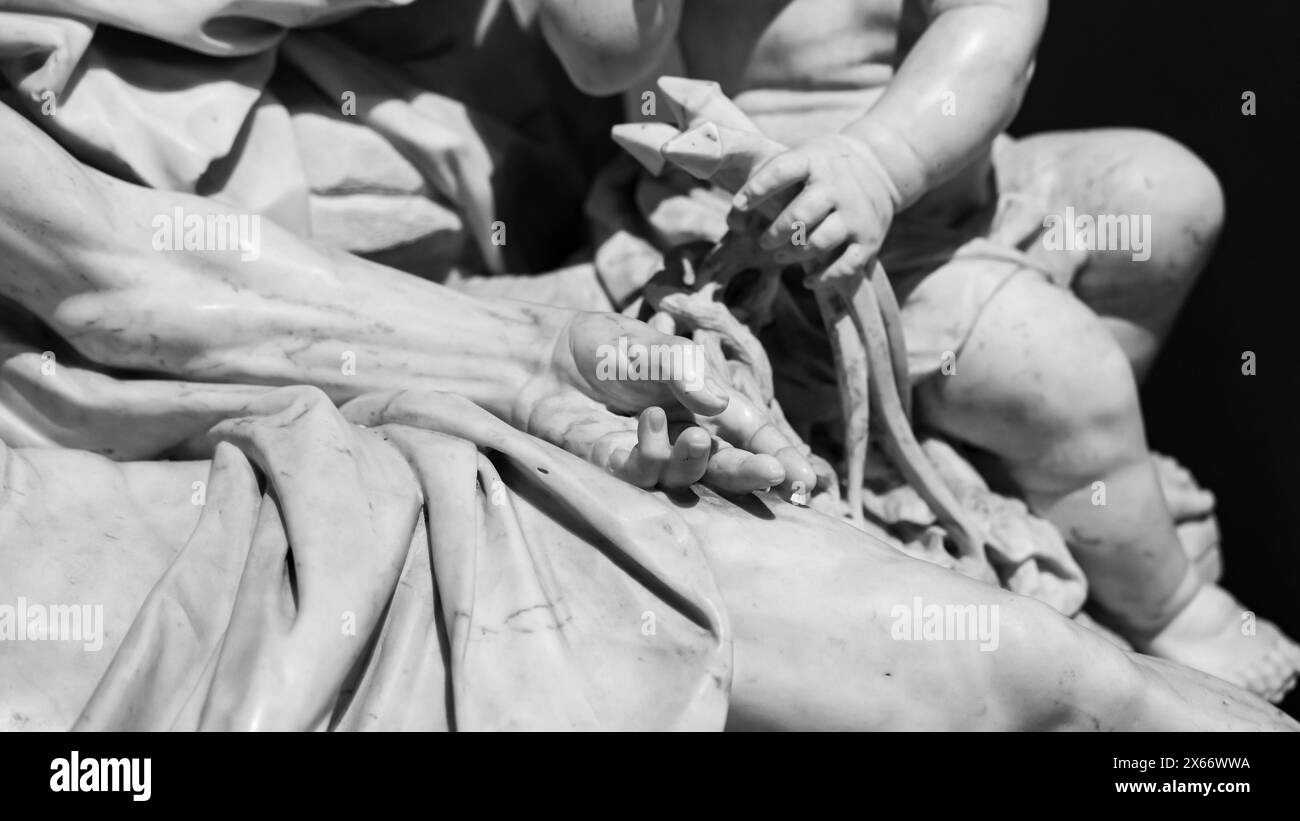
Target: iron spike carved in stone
(644,141)
(692,102)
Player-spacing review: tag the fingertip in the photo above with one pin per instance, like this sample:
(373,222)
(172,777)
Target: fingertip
(654,419)
(855,254)
(800,478)
(766,469)
(690,459)
(618,461)
(697,439)
(706,399)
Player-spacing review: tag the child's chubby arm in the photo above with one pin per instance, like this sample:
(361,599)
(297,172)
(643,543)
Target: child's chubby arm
(959,86)
(606,45)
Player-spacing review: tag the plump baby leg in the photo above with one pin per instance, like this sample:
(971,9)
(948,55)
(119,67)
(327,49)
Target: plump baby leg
(1045,387)
(1110,173)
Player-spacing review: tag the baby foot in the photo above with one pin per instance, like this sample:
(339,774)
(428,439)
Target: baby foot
(1192,508)
(1185,498)
(1217,635)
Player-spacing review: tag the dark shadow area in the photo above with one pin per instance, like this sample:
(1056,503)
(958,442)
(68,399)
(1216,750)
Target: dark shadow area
(1181,68)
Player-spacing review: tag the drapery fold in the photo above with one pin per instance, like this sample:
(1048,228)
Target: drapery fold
(413,574)
(233,100)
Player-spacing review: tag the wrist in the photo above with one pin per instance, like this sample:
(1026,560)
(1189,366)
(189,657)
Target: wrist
(486,350)
(900,171)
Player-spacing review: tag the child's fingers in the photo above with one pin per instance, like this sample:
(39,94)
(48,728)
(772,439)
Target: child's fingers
(1292,652)
(804,213)
(849,263)
(1285,689)
(777,174)
(829,236)
(822,243)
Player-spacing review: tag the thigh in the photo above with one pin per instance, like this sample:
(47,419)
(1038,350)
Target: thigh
(1038,368)
(818,611)
(1123,172)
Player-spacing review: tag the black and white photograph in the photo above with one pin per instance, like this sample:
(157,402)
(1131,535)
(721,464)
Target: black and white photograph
(649,365)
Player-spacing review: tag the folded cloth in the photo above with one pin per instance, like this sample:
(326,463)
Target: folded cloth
(430,569)
(209,98)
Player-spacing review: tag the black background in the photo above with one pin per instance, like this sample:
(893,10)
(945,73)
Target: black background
(1181,68)
(373,775)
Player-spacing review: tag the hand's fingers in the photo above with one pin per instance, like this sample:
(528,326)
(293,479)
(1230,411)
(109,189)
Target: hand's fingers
(777,174)
(798,219)
(646,462)
(602,450)
(1284,677)
(849,264)
(617,464)
(1292,652)
(829,236)
(1285,689)
(699,393)
(822,243)
(689,460)
(743,424)
(733,470)
(800,476)
(663,323)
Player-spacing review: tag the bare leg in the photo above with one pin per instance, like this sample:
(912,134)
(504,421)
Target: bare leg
(809,598)
(1044,386)
(1128,171)
(810,601)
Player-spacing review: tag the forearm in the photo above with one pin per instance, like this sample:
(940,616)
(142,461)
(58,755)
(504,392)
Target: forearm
(77,248)
(959,87)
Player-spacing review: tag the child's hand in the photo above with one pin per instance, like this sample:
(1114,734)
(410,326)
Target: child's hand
(839,218)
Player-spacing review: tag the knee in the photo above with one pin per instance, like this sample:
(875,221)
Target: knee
(1163,178)
(1181,181)
(1054,675)
(1088,390)
(1040,381)
(1071,400)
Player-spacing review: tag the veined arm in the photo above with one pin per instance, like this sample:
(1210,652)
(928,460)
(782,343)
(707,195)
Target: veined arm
(81,251)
